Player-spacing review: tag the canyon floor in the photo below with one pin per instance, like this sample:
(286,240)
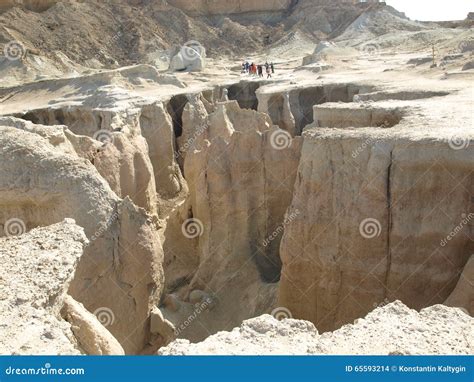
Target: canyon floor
(328,209)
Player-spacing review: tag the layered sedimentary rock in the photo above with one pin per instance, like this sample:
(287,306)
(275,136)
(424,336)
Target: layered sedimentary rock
(42,181)
(240,171)
(396,328)
(377,208)
(35,274)
(292,108)
(132,139)
(229,6)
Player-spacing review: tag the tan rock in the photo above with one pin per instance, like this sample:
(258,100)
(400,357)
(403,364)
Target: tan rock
(240,174)
(463,295)
(374,214)
(121,270)
(160,325)
(91,335)
(36,269)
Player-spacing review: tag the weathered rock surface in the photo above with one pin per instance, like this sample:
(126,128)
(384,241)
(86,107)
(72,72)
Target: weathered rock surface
(91,335)
(42,181)
(240,172)
(132,139)
(36,270)
(392,329)
(376,219)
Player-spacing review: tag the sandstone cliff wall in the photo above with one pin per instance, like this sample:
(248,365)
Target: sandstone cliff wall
(375,214)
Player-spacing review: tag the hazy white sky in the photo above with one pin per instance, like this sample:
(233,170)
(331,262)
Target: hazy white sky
(435,10)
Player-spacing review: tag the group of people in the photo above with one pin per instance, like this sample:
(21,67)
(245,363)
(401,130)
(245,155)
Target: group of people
(258,70)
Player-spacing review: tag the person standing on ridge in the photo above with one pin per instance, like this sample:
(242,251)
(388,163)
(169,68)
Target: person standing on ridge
(273,68)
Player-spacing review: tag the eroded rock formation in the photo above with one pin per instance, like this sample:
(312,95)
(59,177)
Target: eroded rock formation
(42,181)
(36,270)
(375,211)
(240,172)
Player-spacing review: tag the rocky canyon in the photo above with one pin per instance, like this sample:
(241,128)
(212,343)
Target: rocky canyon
(158,198)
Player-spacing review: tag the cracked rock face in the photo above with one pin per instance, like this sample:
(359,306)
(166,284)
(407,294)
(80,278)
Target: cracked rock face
(391,329)
(240,184)
(36,271)
(371,230)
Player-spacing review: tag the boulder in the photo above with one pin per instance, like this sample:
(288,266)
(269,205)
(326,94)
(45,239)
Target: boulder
(37,268)
(190,57)
(91,335)
(160,325)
